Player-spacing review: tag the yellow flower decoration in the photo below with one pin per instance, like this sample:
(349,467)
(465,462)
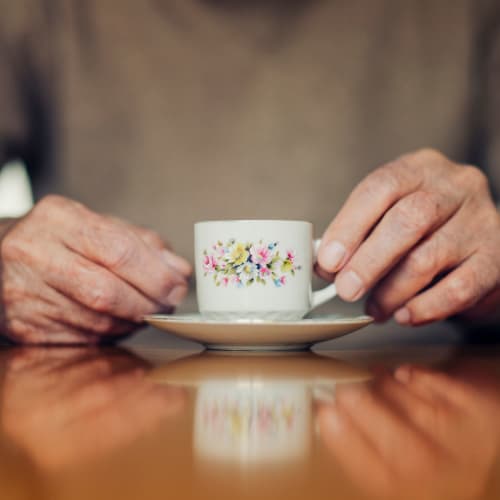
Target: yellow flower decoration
(239,254)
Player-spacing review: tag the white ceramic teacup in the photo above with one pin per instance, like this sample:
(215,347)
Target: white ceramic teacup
(256,270)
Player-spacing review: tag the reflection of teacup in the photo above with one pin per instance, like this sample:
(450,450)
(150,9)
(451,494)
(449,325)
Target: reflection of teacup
(252,420)
(255,409)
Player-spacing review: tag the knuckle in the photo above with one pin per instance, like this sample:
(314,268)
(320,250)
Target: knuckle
(114,246)
(416,212)
(422,262)
(102,295)
(460,289)
(429,155)
(49,203)
(121,253)
(385,181)
(473,178)
(152,239)
(12,248)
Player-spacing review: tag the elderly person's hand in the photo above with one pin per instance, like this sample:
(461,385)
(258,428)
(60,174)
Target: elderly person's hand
(423,235)
(68,275)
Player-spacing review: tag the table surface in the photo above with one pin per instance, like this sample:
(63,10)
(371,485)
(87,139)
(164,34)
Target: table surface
(411,421)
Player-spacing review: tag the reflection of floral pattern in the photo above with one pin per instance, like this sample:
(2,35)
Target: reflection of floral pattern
(243,264)
(236,419)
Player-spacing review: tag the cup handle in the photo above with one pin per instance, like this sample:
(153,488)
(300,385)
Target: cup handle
(325,294)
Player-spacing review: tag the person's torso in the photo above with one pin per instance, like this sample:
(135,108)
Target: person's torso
(173,111)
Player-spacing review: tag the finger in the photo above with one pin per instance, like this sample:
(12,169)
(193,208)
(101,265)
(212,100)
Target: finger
(402,227)
(60,308)
(97,288)
(378,421)
(440,252)
(350,446)
(154,240)
(325,275)
(455,293)
(433,386)
(100,394)
(124,254)
(177,262)
(364,207)
(45,332)
(427,414)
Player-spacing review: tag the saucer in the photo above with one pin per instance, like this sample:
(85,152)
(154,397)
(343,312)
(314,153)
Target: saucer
(227,367)
(258,335)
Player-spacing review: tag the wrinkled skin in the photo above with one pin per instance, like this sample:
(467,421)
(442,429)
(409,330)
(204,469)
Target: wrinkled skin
(420,235)
(69,275)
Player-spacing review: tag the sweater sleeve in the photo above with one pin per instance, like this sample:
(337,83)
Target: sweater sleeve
(486,100)
(13,119)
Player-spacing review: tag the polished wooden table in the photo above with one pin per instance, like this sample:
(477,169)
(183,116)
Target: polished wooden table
(143,422)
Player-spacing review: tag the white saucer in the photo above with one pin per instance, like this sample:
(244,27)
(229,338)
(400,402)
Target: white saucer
(256,334)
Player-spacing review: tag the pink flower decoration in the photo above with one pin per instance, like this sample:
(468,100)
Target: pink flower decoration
(209,263)
(264,271)
(283,280)
(290,255)
(260,255)
(225,281)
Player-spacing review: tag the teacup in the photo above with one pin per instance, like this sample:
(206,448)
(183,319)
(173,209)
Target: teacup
(256,270)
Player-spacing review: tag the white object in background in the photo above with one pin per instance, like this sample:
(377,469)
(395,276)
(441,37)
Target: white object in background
(16,197)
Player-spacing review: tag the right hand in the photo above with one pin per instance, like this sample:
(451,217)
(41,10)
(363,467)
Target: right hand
(69,275)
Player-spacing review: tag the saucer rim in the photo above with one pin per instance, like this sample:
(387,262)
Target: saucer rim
(197,318)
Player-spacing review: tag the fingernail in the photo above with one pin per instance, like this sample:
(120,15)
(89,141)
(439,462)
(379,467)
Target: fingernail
(177,295)
(403,316)
(349,285)
(177,262)
(332,256)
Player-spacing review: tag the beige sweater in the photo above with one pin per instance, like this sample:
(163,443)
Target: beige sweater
(170,111)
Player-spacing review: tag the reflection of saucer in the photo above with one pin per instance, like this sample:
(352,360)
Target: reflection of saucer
(258,335)
(305,368)
(255,408)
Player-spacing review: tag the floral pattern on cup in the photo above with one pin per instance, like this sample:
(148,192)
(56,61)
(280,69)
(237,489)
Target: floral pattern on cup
(243,264)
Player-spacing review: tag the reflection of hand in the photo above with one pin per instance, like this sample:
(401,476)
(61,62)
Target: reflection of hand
(69,405)
(407,223)
(418,435)
(69,275)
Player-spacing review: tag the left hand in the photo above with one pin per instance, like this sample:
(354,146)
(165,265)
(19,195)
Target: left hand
(419,223)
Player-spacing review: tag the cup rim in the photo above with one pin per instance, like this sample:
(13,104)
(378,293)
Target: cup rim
(246,221)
